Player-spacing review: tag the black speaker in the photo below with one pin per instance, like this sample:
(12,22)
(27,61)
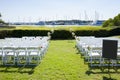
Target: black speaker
(109,49)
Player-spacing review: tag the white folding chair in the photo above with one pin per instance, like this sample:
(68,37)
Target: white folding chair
(95,57)
(34,55)
(9,56)
(21,56)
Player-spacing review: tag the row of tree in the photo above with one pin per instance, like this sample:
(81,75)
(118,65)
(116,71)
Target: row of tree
(112,22)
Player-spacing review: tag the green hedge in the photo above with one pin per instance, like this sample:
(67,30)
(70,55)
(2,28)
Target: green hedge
(115,31)
(5,33)
(60,34)
(20,33)
(96,33)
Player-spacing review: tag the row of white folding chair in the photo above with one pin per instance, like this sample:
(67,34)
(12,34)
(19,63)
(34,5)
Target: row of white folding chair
(18,42)
(17,54)
(35,38)
(92,41)
(95,58)
(92,57)
(96,41)
(41,42)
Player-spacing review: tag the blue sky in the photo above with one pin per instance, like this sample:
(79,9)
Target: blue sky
(35,10)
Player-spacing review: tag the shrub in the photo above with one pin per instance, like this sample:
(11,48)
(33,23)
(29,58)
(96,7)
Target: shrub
(61,34)
(115,31)
(20,33)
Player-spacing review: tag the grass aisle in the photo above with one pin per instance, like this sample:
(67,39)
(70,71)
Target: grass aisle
(62,63)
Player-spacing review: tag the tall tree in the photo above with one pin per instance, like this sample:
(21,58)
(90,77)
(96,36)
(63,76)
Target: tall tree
(112,22)
(117,20)
(1,21)
(107,23)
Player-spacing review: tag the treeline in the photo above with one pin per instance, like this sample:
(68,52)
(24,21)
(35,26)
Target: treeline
(112,22)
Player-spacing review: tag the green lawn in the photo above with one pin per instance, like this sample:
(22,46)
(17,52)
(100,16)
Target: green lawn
(60,63)
(55,28)
(60,28)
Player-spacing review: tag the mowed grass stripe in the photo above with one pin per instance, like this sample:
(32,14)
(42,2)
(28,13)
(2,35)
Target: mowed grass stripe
(61,62)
